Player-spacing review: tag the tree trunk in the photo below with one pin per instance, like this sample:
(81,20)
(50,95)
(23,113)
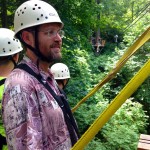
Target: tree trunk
(4,13)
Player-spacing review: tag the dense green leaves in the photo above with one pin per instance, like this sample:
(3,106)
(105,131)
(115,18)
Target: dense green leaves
(125,18)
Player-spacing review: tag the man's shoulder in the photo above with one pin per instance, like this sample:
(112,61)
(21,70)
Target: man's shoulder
(19,76)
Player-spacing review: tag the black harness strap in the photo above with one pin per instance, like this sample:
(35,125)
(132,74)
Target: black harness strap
(67,108)
(62,102)
(2,81)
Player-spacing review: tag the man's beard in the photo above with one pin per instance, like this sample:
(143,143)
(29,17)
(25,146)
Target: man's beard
(52,54)
(53,57)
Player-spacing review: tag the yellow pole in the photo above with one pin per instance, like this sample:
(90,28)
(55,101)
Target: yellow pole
(130,51)
(126,92)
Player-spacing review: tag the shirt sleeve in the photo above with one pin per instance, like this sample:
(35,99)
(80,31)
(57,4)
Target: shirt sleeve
(21,118)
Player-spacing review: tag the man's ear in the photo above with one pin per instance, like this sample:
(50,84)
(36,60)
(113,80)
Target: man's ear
(16,57)
(28,37)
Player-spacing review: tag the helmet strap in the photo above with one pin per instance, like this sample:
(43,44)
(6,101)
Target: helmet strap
(8,59)
(35,50)
(66,82)
(15,64)
(2,62)
(62,82)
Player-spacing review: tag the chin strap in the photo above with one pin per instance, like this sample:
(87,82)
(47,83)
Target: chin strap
(35,50)
(62,82)
(15,64)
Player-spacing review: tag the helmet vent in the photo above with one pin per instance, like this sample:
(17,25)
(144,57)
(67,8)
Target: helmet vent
(8,43)
(40,12)
(52,14)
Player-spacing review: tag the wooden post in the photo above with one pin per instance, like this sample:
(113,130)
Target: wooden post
(144,142)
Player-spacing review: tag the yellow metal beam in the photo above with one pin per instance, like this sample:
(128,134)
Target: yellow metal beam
(130,51)
(126,92)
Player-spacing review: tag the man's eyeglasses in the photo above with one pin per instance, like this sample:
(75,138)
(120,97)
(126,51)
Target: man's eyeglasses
(52,33)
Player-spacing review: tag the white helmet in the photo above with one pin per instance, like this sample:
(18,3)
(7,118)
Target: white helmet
(60,71)
(8,44)
(34,12)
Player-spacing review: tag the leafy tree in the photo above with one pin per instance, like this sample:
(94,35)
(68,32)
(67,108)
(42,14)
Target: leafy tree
(126,18)
(122,130)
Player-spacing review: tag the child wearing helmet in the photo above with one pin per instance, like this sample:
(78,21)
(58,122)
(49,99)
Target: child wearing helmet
(61,74)
(33,115)
(9,54)
(9,51)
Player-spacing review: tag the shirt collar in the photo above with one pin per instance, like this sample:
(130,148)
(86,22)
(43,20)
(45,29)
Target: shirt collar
(33,66)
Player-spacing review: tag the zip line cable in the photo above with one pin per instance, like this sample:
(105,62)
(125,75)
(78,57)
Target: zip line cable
(140,11)
(136,21)
(124,94)
(137,17)
(145,7)
(130,51)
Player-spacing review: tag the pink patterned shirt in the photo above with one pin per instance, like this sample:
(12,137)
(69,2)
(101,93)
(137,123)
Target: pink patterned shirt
(32,118)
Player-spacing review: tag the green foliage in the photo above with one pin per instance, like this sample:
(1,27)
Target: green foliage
(96,144)
(116,17)
(5,147)
(1,125)
(122,130)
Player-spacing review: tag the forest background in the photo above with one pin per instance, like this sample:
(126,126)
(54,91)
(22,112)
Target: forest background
(127,19)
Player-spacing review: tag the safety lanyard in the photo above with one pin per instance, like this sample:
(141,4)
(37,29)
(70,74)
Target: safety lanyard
(62,102)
